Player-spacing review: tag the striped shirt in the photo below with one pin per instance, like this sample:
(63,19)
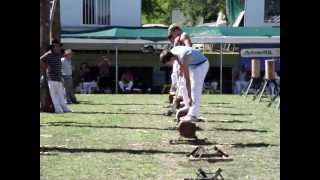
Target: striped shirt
(54,67)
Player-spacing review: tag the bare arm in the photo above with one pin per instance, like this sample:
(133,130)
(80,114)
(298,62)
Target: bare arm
(185,69)
(45,55)
(43,65)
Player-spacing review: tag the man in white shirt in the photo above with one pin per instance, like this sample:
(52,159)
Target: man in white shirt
(67,76)
(194,66)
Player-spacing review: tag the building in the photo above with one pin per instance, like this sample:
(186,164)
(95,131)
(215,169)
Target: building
(262,13)
(118,35)
(253,13)
(91,14)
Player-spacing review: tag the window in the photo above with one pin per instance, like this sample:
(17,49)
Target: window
(96,12)
(272,11)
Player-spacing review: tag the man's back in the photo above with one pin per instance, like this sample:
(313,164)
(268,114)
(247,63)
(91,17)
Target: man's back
(183,51)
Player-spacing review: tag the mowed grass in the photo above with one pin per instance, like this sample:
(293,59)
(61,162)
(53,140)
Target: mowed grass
(126,137)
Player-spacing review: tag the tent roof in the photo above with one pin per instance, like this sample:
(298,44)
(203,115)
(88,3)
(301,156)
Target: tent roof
(160,33)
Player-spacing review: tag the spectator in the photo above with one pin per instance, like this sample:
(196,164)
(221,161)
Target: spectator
(241,81)
(104,78)
(126,82)
(87,82)
(67,76)
(273,89)
(53,62)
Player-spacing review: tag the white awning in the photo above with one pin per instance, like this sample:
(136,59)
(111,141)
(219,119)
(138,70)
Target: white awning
(236,40)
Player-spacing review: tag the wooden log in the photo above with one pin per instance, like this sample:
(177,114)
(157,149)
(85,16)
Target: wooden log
(270,69)
(255,68)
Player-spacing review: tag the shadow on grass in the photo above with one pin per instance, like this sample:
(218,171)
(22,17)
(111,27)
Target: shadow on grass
(239,130)
(87,125)
(252,145)
(155,114)
(128,104)
(217,106)
(218,103)
(89,103)
(231,114)
(232,121)
(48,154)
(94,150)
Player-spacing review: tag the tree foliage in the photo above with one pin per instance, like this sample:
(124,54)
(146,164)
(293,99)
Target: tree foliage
(159,11)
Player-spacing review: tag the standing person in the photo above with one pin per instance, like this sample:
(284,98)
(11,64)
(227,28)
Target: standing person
(194,66)
(178,37)
(53,61)
(46,104)
(67,76)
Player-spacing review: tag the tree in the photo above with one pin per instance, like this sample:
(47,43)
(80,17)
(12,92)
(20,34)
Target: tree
(47,25)
(44,25)
(56,24)
(206,9)
(159,11)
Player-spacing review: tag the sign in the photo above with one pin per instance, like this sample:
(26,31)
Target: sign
(260,52)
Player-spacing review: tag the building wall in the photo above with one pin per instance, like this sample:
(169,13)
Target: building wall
(123,13)
(254,14)
(71,13)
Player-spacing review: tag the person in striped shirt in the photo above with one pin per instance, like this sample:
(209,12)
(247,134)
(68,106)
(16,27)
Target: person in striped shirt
(52,61)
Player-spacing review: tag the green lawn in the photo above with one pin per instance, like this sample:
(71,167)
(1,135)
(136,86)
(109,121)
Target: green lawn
(126,137)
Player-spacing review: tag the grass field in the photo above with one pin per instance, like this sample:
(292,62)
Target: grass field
(126,137)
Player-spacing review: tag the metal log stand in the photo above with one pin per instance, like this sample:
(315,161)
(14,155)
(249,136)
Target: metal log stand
(209,154)
(269,78)
(202,175)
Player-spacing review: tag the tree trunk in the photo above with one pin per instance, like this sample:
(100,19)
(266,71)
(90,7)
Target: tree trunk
(44,26)
(46,104)
(56,25)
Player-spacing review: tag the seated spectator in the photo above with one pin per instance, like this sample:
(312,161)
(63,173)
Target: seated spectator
(272,87)
(87,81)
(126,82)
(104,78)
(241,80)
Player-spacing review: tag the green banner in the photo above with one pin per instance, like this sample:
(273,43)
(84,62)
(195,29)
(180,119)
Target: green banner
(233,9)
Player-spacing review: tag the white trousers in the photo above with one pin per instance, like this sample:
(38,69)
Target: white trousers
(125,86)
(240,85)
(182,91)
(57,93)
(86,87)
(197,76)
(174,82)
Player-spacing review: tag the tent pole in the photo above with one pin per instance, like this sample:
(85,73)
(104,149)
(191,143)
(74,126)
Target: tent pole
(220,68)
(116,70)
